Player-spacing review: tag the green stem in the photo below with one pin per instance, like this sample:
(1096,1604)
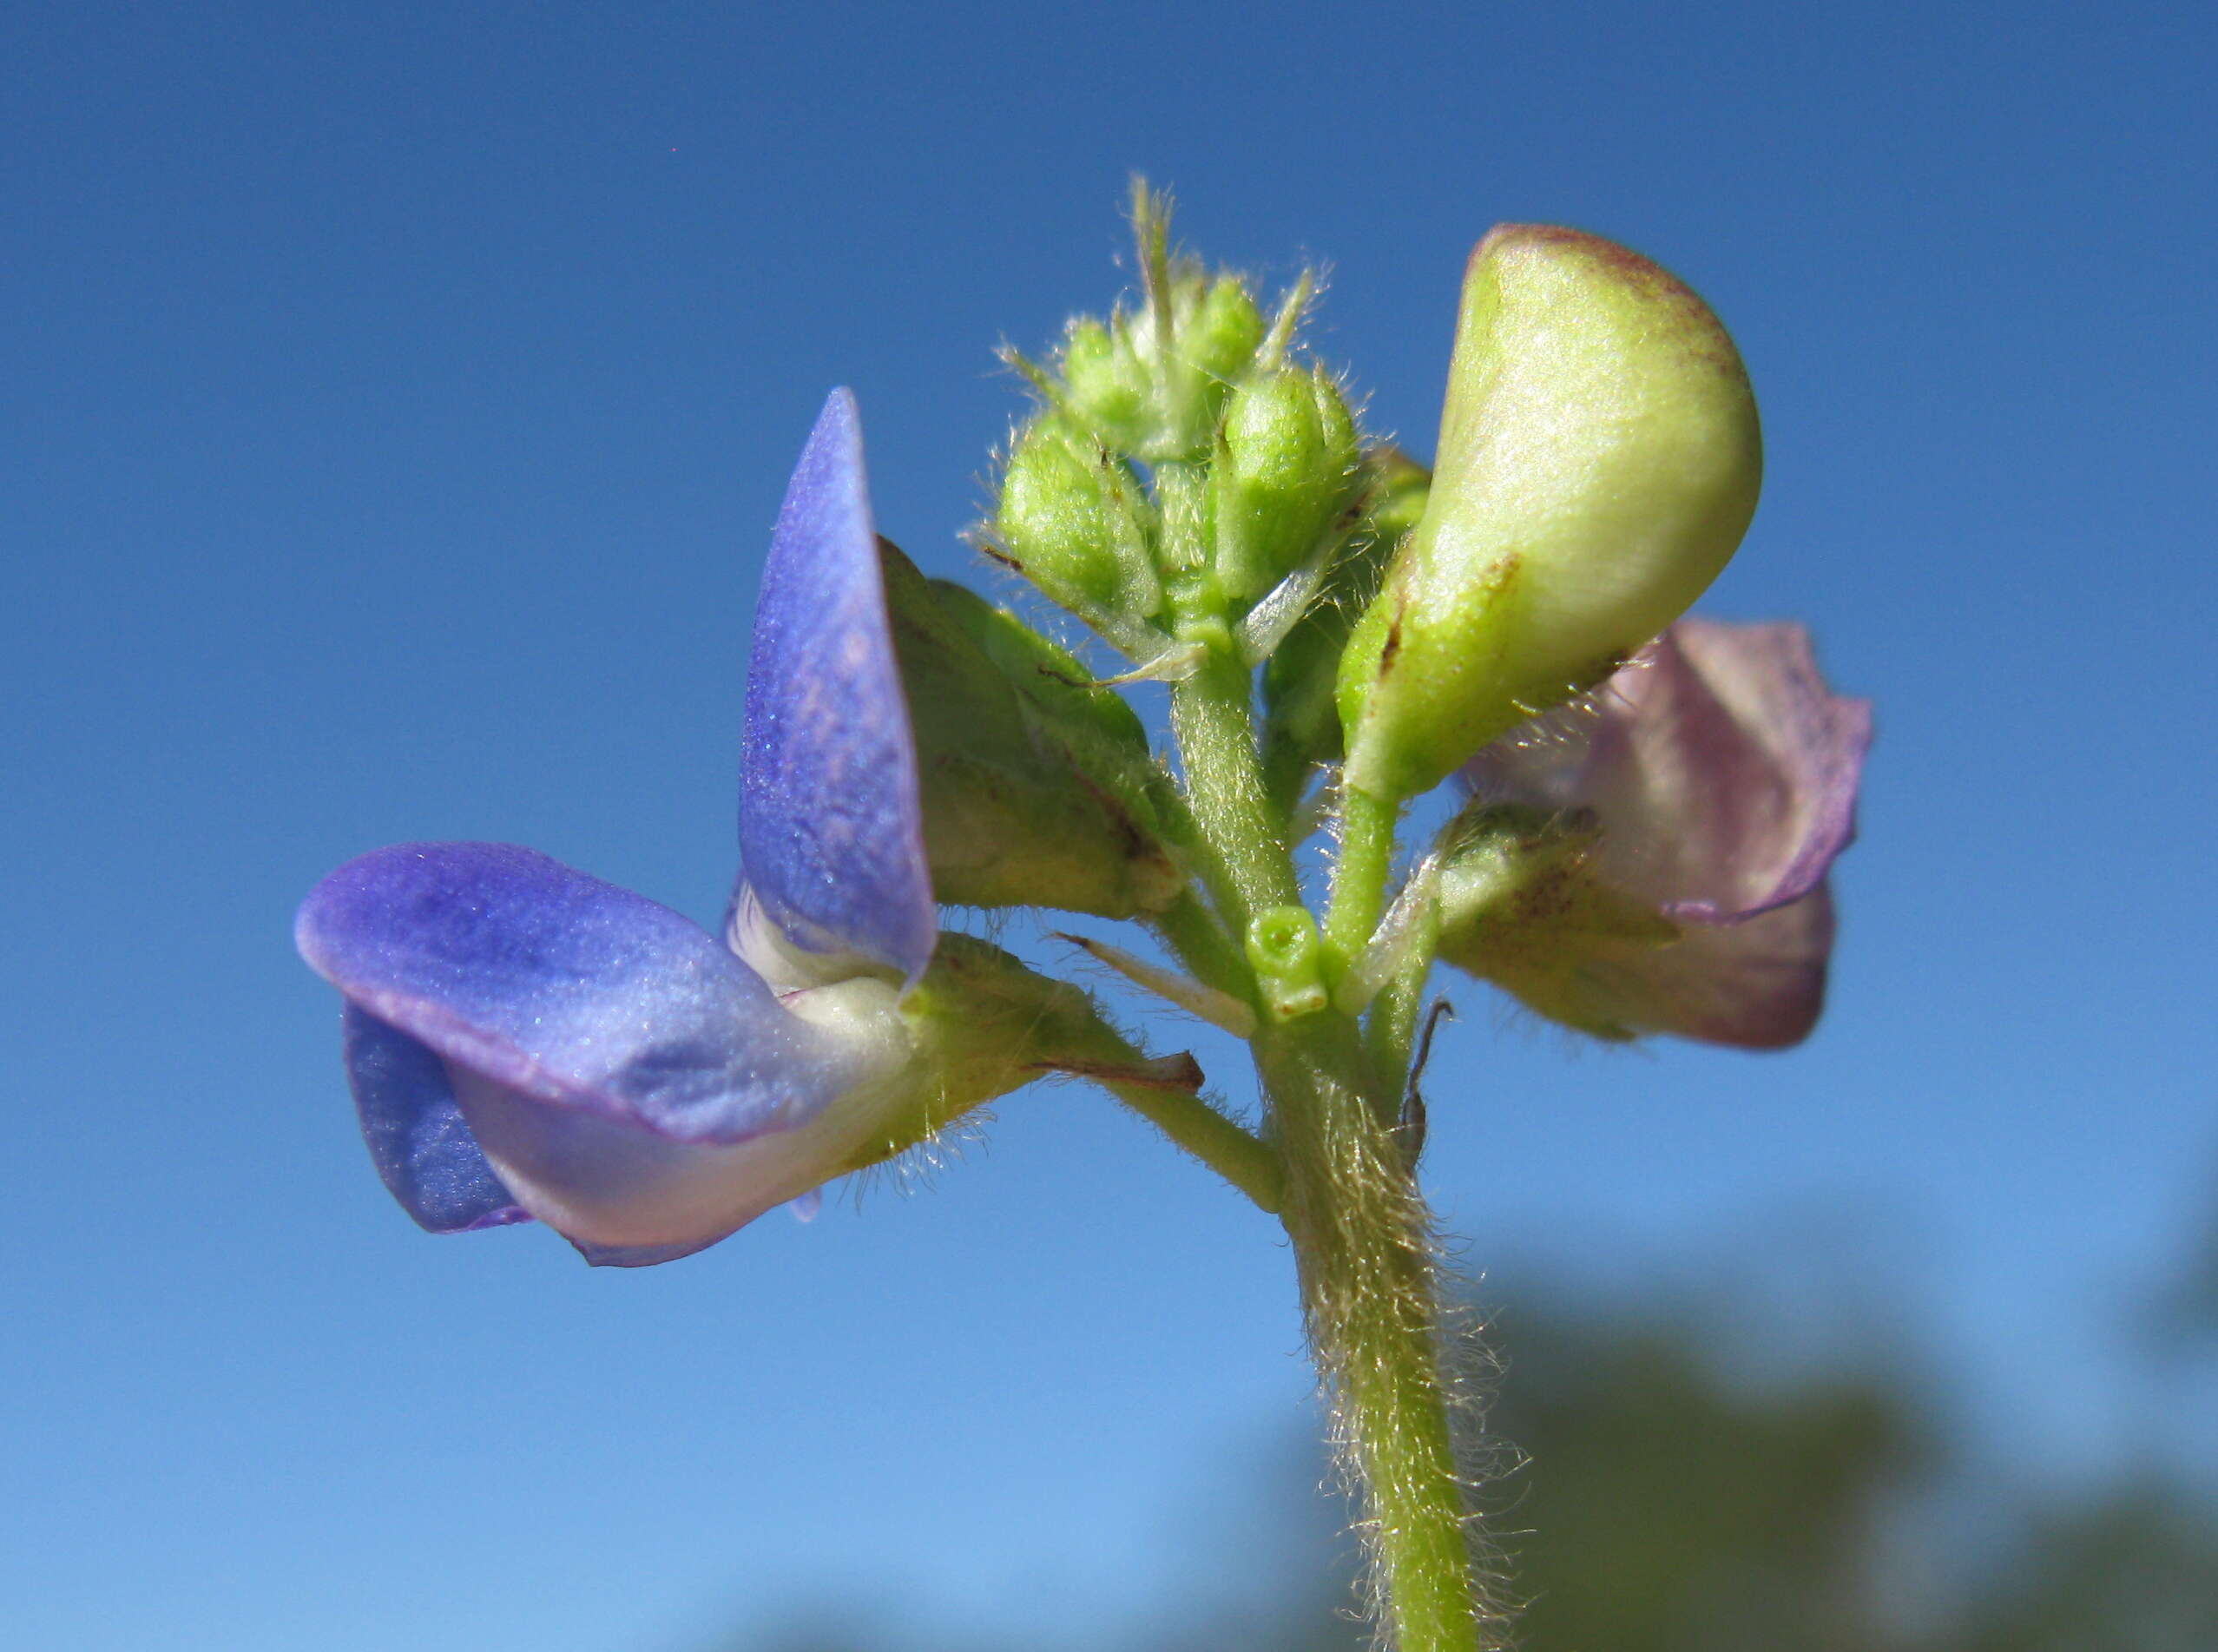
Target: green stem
(1391,1033)
(1244,854)
(1349,1202)
(1225,1145)
(1199,942)
(1361,1238)
(1359,873)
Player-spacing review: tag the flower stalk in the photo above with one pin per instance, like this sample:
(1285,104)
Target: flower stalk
(1352,1207)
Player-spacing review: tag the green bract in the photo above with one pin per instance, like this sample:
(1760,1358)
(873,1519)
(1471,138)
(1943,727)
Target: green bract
(1520,905)
(1599,462)
(1032,789)
(1090,717)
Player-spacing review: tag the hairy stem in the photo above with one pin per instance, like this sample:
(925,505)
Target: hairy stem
(1365,863)
(1361,1237)
(1246,861)
(1348,1197)
(1225,1145)
(1199,942)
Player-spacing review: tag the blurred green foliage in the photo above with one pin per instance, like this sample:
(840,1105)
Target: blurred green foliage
(1665,1487)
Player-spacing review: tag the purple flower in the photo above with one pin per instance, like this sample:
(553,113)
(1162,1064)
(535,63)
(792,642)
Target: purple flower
(1663,870)
(525,1041)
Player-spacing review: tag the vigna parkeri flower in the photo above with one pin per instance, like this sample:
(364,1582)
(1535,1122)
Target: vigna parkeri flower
(1648,809)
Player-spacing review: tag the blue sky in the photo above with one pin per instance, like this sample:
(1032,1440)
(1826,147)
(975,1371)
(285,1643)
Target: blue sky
(394,406)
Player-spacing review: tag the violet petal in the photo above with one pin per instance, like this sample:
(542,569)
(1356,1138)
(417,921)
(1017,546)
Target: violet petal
(1720,774)
(417,1136)
(629,1198)
(831,829)
(579,995)
(528,1039)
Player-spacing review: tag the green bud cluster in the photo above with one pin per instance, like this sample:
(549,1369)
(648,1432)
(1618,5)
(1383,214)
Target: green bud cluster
(1204,500)
(1151,383)
(1180,467)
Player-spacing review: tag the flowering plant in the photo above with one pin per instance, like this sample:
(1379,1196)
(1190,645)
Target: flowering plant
(1653,804)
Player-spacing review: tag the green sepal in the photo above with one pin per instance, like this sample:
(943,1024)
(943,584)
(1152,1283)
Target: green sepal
(1015,813)
(1599,462)
(1075,521)
(981,1024)
(1285,468)
(1302,725)
(1521,906)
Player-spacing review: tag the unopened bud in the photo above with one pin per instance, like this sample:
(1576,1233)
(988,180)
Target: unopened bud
(1284,473)
(1599,462)
(1074,520)
(1106,385)
(1219,337)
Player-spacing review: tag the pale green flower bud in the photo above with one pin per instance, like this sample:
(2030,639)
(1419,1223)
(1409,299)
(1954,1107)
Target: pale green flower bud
(1599,462)
(1106,386)
(1285,470)
(1075,521)
(1219,337)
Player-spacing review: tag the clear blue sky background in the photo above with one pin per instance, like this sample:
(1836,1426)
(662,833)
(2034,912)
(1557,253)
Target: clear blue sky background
(394,403)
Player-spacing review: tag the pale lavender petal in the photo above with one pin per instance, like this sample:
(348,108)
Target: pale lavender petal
(1720,774)
(418,1138)
(1759,985)
(638,1255)
(629,1198)
(831,828)
(1722,771)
